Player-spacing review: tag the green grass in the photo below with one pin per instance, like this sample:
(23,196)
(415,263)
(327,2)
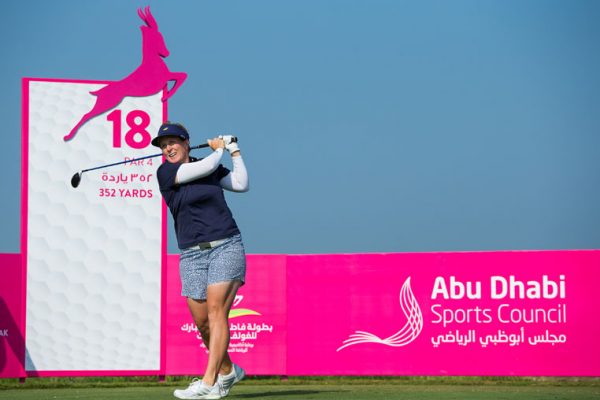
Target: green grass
(325,388)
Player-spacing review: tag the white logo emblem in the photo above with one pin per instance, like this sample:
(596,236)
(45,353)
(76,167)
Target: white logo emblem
(408,333)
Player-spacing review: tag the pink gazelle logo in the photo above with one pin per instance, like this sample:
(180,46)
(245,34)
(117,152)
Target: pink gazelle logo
(409,332)
(149,78)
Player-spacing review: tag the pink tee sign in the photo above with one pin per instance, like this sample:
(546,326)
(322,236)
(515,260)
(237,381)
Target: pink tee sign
(151,77)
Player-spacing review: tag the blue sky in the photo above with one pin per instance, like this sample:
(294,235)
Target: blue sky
(366,126)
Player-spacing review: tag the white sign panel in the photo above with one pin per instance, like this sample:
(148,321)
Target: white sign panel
(93,253)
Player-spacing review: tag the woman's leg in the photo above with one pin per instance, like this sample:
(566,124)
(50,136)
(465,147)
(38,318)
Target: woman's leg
(219,300)
(199,311)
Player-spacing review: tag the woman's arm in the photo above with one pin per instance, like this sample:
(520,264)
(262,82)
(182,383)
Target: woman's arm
(236,180)
(188,172)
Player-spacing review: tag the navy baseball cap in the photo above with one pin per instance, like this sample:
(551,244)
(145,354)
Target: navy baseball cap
(169,128)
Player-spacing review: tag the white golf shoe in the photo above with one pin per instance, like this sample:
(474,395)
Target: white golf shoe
(227,381)
(199,390)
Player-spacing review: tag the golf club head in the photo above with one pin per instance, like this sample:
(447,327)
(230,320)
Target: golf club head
(76,179)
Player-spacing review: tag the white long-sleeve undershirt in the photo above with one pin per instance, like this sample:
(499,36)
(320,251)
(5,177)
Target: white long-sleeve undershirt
(235,181)
(191,171)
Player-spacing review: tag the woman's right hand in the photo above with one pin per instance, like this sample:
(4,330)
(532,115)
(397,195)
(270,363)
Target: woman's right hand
(216,143)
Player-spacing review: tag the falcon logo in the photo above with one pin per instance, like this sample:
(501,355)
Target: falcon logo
(409,332)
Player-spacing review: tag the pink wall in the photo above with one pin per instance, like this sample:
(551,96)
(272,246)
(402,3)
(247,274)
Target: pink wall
(383,314)
(258,321)
(12,343)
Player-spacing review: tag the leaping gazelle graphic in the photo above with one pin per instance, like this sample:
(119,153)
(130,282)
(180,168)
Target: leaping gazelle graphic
(409,332)
(149,78)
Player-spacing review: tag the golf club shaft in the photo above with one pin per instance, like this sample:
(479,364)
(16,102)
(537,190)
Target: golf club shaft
(200,146)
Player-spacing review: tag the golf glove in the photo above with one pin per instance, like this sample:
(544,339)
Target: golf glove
(230,145)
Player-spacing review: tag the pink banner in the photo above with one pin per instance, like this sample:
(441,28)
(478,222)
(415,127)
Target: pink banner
(522,313)
(12,342)
(492,313)
(257,322)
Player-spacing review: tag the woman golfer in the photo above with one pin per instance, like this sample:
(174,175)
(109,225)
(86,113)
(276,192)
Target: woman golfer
(212,261)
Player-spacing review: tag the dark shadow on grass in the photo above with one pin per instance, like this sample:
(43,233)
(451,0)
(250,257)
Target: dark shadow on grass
(281,393)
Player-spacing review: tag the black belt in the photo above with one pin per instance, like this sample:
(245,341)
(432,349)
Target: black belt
(208,245)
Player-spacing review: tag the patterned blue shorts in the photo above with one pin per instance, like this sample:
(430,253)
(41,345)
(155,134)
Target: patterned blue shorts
(200,268)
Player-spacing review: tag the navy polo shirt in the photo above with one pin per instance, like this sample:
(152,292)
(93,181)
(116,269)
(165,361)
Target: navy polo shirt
(198,207)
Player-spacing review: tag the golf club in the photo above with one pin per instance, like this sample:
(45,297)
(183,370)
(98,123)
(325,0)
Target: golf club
(76,179)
